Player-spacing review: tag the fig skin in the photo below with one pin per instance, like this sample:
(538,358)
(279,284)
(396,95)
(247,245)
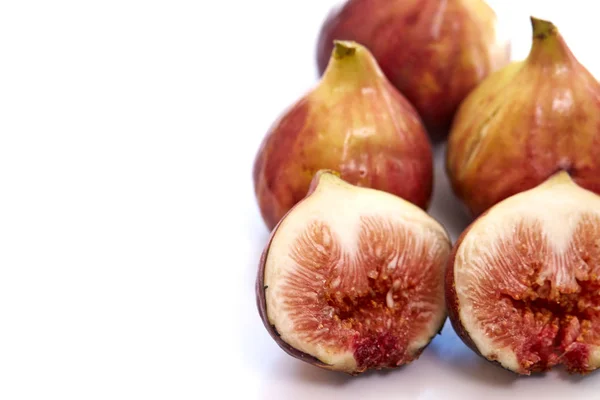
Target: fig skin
(524,123)
(355,122)
(435,52)
(261,288)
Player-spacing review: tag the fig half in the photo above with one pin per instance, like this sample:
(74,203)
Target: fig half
(523,281)
(353,278)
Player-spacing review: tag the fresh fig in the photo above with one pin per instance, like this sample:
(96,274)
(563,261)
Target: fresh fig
(435,52)
(526,122)
(355,122)
(523,281)
(353,278)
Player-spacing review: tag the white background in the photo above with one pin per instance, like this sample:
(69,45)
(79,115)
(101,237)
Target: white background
(129,232)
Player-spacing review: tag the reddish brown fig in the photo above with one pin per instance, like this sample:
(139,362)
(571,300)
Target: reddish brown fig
(353,278)
(434,51)
(354,122)
(523,281)
(524,123)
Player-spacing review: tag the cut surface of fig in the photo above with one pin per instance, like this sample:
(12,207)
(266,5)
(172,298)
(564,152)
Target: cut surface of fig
(523,281)
(352,278)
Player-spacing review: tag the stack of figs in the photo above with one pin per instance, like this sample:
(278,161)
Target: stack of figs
(356,275)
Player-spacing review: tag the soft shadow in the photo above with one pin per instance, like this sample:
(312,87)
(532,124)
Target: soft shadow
(451,350)
(300,370)
(288,367)
(289,378)
(437,135)
(309,373)
(445,206)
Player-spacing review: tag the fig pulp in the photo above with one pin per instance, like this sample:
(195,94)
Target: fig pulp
(526,122)
(523,281)
(354,122)
(353,278)
(434,51)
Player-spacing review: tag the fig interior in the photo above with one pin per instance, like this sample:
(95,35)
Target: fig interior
(527,280)
(355,279)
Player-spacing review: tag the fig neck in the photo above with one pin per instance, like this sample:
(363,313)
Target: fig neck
(548,46)
(351,66)
(559,178)
(325,178)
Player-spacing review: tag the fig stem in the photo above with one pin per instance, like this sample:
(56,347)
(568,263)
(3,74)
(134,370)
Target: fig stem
(559,178)
(548,46)
(542,29)
(350,67)
(343,49)
(326,175)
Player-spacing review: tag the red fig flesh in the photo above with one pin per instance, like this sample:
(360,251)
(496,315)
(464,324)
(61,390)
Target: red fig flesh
(434,51)
(352,278)
(523,281)
(354,122)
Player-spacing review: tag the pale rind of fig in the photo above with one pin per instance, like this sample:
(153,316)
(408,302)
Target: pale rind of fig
(525,122)
(353,278)
(354,122)
(523,281)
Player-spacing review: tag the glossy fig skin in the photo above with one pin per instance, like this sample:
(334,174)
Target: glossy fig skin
(524,123)
(435,52)
(354,122)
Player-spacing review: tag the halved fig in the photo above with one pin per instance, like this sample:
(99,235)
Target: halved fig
(523,281)
(353,278)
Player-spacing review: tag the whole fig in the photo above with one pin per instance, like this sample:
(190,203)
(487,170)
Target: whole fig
(353,122)
(434,51)
(526,122)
